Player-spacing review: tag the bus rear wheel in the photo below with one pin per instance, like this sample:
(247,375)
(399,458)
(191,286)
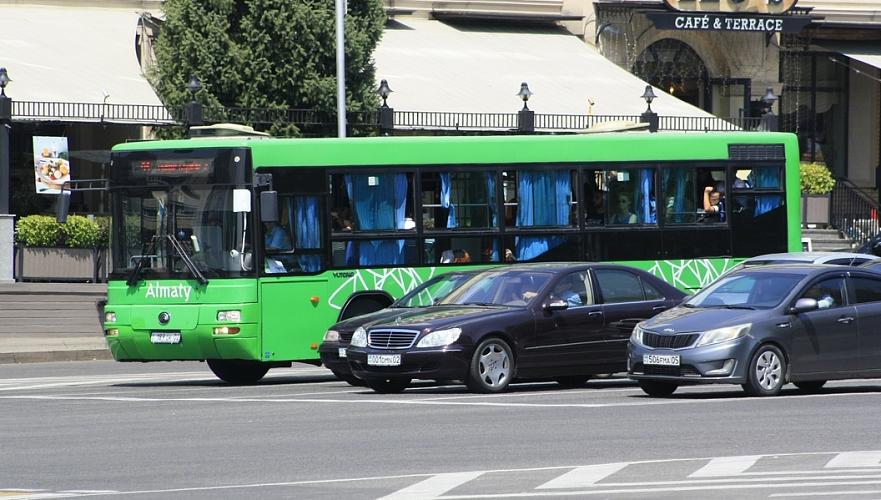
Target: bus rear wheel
(237,371)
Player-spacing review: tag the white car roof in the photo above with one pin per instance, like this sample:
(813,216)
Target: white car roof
(811,257)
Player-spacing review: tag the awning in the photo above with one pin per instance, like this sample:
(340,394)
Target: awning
(435,66)
(72,54)
(866,52)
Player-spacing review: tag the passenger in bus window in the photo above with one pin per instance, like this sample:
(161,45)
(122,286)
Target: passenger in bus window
(596,210)
(461,256)
(714,205)
(276,238)
(623,213)
(342,219)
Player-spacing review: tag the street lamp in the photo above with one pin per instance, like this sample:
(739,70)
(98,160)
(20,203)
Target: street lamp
(525,117)
(6,219)
(769,119)
(193,109)
(386,114)
(649,116)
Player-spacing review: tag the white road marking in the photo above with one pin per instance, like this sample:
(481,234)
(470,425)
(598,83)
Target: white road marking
(825,493)
(433,487)
(582,477)
(853,459)
(726,466)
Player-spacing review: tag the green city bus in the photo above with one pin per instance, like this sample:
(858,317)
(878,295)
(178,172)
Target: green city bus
(242,251)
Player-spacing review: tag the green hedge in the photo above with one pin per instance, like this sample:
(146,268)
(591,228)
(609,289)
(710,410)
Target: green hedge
(77,232)
(816,178)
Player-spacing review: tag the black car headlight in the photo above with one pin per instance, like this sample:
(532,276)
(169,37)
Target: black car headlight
(636,335)
(332,336)
(440,338)
(359,339)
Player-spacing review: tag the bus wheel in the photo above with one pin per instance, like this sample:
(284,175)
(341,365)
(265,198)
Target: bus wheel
(236,371)
(388,385)
(349,379)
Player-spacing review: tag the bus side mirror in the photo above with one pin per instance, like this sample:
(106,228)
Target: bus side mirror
(62,207)
(269,206)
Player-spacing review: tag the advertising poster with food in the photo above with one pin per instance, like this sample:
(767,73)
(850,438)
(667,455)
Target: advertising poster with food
(51,164)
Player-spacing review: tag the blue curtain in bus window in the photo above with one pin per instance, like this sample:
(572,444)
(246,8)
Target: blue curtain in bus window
(645,212)
(303,211)
(379,203)
(490,178)
(446,190)
(543,201)
(675,210)
(767,178)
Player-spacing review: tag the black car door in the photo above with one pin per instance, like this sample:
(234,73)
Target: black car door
(624,305)
(577,330)
(825,340)
(867,300)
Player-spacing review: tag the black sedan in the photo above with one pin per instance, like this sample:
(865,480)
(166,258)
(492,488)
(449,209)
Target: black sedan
(561,321)
(333,349)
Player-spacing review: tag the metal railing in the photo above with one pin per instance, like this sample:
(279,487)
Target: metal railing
(315,120)
(853,212)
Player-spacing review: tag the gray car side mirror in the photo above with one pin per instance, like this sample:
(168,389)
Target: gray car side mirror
(804,304)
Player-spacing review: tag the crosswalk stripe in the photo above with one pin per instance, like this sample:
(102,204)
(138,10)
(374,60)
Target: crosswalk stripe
(581,477)
(433,487)
(855,459)
(726,466)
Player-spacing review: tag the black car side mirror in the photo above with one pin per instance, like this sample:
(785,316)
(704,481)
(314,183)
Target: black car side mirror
(556,305)
(804,304)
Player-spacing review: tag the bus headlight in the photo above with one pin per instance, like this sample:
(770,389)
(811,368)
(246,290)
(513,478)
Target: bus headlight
(332,336)
(440,338)
(359,339)
(110,317)
(636,336)
(723,334)
(229,316)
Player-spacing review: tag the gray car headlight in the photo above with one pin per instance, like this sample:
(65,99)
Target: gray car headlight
(332,336)
(636,336)
(723,334)
(440,338)
(359,339)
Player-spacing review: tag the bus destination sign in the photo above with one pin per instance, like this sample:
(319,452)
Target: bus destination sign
(175,167)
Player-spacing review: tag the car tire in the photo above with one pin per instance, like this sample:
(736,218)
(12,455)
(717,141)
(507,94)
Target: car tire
(572,381)
(237,371)
(810,385)
(349,379)
(492,366)
(766,372)
(657,389)
(388,385)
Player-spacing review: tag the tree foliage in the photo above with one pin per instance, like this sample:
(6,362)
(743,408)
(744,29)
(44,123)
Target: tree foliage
(277,54)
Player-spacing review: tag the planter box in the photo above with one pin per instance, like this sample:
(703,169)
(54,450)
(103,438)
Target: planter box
(59,264)
(815,209)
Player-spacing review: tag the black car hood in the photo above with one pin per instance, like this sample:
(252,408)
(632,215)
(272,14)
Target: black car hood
(435,317)
(352,324)
(686,319)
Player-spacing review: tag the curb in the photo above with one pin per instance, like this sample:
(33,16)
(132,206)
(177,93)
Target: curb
(50,356)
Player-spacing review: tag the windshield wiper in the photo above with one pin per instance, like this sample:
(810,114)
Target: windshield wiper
(728,306)
(478,304)
(147,250)
(186,258)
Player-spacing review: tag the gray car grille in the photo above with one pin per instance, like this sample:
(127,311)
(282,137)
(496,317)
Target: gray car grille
(669,341)
(391,339)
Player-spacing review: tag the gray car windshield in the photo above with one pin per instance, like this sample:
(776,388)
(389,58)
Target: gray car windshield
(432,291)
(499,288)
(747,291)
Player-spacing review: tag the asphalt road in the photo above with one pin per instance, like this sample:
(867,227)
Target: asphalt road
(171,430)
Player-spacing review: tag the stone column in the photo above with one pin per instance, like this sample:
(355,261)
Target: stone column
(7,247)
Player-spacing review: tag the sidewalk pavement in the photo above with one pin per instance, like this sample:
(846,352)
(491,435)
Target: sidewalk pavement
(44,348)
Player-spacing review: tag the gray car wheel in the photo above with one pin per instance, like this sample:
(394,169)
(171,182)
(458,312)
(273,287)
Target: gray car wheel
(767,370)
(492,366)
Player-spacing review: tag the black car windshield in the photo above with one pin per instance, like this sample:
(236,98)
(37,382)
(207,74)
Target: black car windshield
(756,290)
(501,288)
(433,290)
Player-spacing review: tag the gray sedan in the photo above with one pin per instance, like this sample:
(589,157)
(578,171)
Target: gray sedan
(763,327)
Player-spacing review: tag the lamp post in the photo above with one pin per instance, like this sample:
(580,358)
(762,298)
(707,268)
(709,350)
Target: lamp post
(386,114)
(770,123)
(193,109)
(649,116)
(6,219)
(525,117)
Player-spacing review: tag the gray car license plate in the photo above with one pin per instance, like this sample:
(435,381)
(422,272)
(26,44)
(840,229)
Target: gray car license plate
(660,359)
(384,359)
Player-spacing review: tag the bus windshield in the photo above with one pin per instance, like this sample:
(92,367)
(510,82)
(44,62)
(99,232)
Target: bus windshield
(167,231)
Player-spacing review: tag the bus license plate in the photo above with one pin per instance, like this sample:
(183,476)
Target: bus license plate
(658,359)
(342,352)
(384,359)
(165,337)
